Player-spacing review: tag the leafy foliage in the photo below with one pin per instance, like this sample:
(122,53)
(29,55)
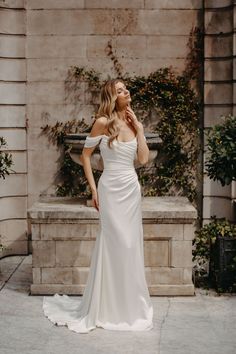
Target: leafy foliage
(174,110)
(220,227)
(221,164)
(5,160)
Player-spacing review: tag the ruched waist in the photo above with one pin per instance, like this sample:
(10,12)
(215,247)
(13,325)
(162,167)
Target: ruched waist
(118,169)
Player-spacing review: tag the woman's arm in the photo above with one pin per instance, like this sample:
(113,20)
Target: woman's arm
(97,129)
(143,150)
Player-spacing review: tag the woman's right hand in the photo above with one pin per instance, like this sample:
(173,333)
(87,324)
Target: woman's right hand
(95,201)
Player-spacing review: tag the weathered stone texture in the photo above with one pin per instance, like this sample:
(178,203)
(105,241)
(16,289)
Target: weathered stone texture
(14,184)
(12,93)
(12,69)
(12,22)
(12,46)
(63,242)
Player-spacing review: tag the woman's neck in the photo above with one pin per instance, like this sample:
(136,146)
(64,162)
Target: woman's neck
(122,114)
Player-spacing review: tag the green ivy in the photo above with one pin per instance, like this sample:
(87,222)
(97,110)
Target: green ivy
(5,160)
(173,102)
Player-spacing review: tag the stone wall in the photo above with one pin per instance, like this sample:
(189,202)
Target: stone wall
(13,190)
(219,94)
(39,41)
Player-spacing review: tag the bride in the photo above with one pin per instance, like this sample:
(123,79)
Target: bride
(116,295)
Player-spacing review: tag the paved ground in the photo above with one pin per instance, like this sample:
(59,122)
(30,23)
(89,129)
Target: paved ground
(205,323)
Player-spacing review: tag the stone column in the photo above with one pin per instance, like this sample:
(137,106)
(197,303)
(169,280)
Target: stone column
(13,190)
(218,94)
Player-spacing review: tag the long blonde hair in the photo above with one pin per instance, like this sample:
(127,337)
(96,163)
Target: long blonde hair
(108,109)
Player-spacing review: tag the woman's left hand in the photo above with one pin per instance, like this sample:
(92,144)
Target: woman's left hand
(132,119)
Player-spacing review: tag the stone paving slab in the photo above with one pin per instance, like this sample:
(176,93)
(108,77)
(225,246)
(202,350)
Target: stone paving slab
(205,323)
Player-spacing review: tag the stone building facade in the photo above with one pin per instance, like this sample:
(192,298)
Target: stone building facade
(41,39)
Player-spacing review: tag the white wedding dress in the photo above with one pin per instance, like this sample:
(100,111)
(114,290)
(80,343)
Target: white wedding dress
(116,296)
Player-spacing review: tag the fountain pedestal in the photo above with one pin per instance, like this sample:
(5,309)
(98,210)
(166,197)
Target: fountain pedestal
(64,233)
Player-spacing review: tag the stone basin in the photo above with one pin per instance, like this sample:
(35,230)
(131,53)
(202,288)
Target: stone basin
(76,141)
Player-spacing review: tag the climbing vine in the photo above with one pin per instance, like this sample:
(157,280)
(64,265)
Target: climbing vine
(166,104)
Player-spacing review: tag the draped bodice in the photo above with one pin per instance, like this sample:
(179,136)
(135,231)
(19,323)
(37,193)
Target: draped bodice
(120,156)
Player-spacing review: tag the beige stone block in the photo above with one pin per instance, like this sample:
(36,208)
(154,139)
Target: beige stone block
(12,116)
(220,70)
(80,275)
(51,289)
(148,65)
(35,231)
(65,231)
(221,207)
(74,253)
(12,93)
(40,115)
(13,207)
(217,3)
(15,248)
(174,231)
(12,69)
(218,93)
(12,22)
(46,92)
(214,188)
(160,290)
(172,290)
(187,275)
(43,254)
(212,114)
(57,275)
(114,4)
(15,4)
(13,230)
(20,161)
(52,4)
(49,69)
(156,253)
(36,275)
(165,46)
(99,46)
(218,21)
(12,46)
(95,230)
(153,22)
(181,253)
(189,231)
(13,185)
(15,138)
(173,4)
(216,46)
(69,22)
(41,175)
(163,275)
(56,47)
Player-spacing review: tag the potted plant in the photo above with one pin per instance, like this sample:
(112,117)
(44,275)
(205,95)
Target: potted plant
(5,168)
(221,166)
(215,252)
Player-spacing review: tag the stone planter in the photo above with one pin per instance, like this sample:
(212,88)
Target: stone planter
(76,141)
(64,233)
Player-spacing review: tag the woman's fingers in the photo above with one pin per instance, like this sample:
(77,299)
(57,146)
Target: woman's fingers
(95,203)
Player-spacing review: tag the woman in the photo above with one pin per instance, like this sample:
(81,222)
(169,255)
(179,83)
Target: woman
(116,296)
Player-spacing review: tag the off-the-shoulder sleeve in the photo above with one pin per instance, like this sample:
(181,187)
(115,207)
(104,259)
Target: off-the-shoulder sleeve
(91,141)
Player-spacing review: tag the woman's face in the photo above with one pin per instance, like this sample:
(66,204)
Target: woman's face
(123,95)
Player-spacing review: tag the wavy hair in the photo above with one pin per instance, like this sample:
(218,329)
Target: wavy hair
(107,108)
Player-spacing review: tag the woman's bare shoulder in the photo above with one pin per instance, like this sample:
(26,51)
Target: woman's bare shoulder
(99,126)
